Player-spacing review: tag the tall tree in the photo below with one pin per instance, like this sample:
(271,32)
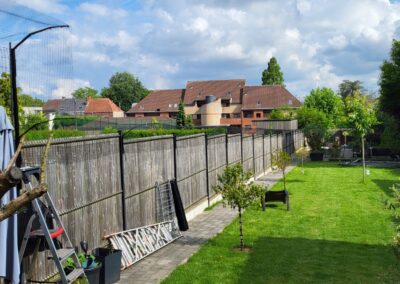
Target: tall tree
(325,100)
(124,89)
(361,118)
(5,95)
(389,82)
(348,88)
(273,74)
(84,93)
(29,101)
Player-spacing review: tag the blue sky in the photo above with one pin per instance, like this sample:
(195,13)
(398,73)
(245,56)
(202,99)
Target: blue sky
(166,43)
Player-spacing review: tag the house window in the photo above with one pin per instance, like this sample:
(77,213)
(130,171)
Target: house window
(235,115)
(175,105)
(258,103)
(170,105)
(289,102)
(198,116)
(158,109)
(258,115)
(225,115)
(247,127)
(248,114)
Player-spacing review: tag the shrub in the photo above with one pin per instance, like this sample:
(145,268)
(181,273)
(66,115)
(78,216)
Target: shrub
(44,134)
(71,121)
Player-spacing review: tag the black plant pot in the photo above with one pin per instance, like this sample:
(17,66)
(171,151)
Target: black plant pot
(111,264)
(93,274)
(316,156)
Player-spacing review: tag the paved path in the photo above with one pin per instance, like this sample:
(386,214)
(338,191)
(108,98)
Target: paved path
(159,265)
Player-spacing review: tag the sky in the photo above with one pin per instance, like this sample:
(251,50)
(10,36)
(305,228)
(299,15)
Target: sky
(166,43)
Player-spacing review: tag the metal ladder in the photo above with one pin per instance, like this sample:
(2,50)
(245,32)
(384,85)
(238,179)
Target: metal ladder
(59,255)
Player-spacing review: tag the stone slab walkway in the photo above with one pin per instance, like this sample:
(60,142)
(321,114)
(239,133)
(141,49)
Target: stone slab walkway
(159,265)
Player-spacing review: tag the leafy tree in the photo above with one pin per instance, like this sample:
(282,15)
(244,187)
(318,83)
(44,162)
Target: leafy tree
(325,100)
(281,159)
(180,117)
(273,74)
(5,95)
(315,126)
(84,93)
(28,101)
(361,118)
(124,89)
(389,82)
(349,88)
(390,137)
(283,113)
(237,192)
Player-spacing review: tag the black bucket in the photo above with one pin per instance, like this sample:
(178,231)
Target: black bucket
(93,274)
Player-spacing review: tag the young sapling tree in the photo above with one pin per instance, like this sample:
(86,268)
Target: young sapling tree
(281,159)
(302,153)
(237,192)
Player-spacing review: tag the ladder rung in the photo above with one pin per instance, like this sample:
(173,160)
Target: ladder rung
(54,233)
(71,277)
(63,254)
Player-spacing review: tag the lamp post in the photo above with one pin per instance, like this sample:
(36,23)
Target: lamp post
(13,81)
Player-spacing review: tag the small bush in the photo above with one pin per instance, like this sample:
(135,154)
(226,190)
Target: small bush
(139,133)
(71,121)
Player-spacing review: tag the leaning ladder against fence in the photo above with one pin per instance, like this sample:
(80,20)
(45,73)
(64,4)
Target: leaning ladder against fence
(138,243)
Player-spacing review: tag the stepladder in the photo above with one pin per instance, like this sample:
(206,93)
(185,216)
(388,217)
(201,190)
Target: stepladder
(51,231)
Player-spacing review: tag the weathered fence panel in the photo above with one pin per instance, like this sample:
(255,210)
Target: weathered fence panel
(247,151)
(191,168)
(234,149)
(216,159)
(258,154)
(146,161)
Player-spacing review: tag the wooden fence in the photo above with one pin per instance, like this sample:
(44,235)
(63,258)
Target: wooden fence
(105,184)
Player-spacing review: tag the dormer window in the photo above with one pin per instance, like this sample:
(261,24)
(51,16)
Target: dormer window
(170,105)
(258,103)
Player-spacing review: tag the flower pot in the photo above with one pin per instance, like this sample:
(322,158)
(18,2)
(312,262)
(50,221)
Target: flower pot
(93,274)
(111,264)
(316,156)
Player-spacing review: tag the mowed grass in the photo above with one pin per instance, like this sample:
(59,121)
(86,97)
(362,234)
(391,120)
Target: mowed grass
(336,232)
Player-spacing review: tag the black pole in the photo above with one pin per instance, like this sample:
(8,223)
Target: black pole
(226,149)
(122,176)
(14,95)
(207,178)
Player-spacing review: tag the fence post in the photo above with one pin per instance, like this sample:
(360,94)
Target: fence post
(175,168)
(263,152)
(226,149)
(270,149)
(254,158)
(207,178)
(241,147)
(122,176)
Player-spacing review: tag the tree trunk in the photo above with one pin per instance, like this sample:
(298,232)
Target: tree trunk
(241,229)
(15,204)
(8,179)
(363,157)
(284,179)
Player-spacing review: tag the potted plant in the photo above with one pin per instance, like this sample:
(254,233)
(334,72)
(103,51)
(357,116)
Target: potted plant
(88,262)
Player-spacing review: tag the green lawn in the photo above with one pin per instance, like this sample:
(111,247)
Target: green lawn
(336,232)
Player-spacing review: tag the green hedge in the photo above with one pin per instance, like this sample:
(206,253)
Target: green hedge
(138,133)
(60,133)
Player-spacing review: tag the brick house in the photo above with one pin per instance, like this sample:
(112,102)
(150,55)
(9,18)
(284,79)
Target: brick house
(217,102)
(65,106)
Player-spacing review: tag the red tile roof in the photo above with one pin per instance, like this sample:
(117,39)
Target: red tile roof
(164,100)
(101,105)
(268,97)
(223,89)
(52,105)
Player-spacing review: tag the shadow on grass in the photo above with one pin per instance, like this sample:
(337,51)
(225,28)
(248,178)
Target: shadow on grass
(298,260)
(385,185)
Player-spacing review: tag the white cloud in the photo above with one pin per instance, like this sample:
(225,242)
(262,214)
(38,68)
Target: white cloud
(43,6)
(102,10)
(303,6)
(65,87)
(338,42)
